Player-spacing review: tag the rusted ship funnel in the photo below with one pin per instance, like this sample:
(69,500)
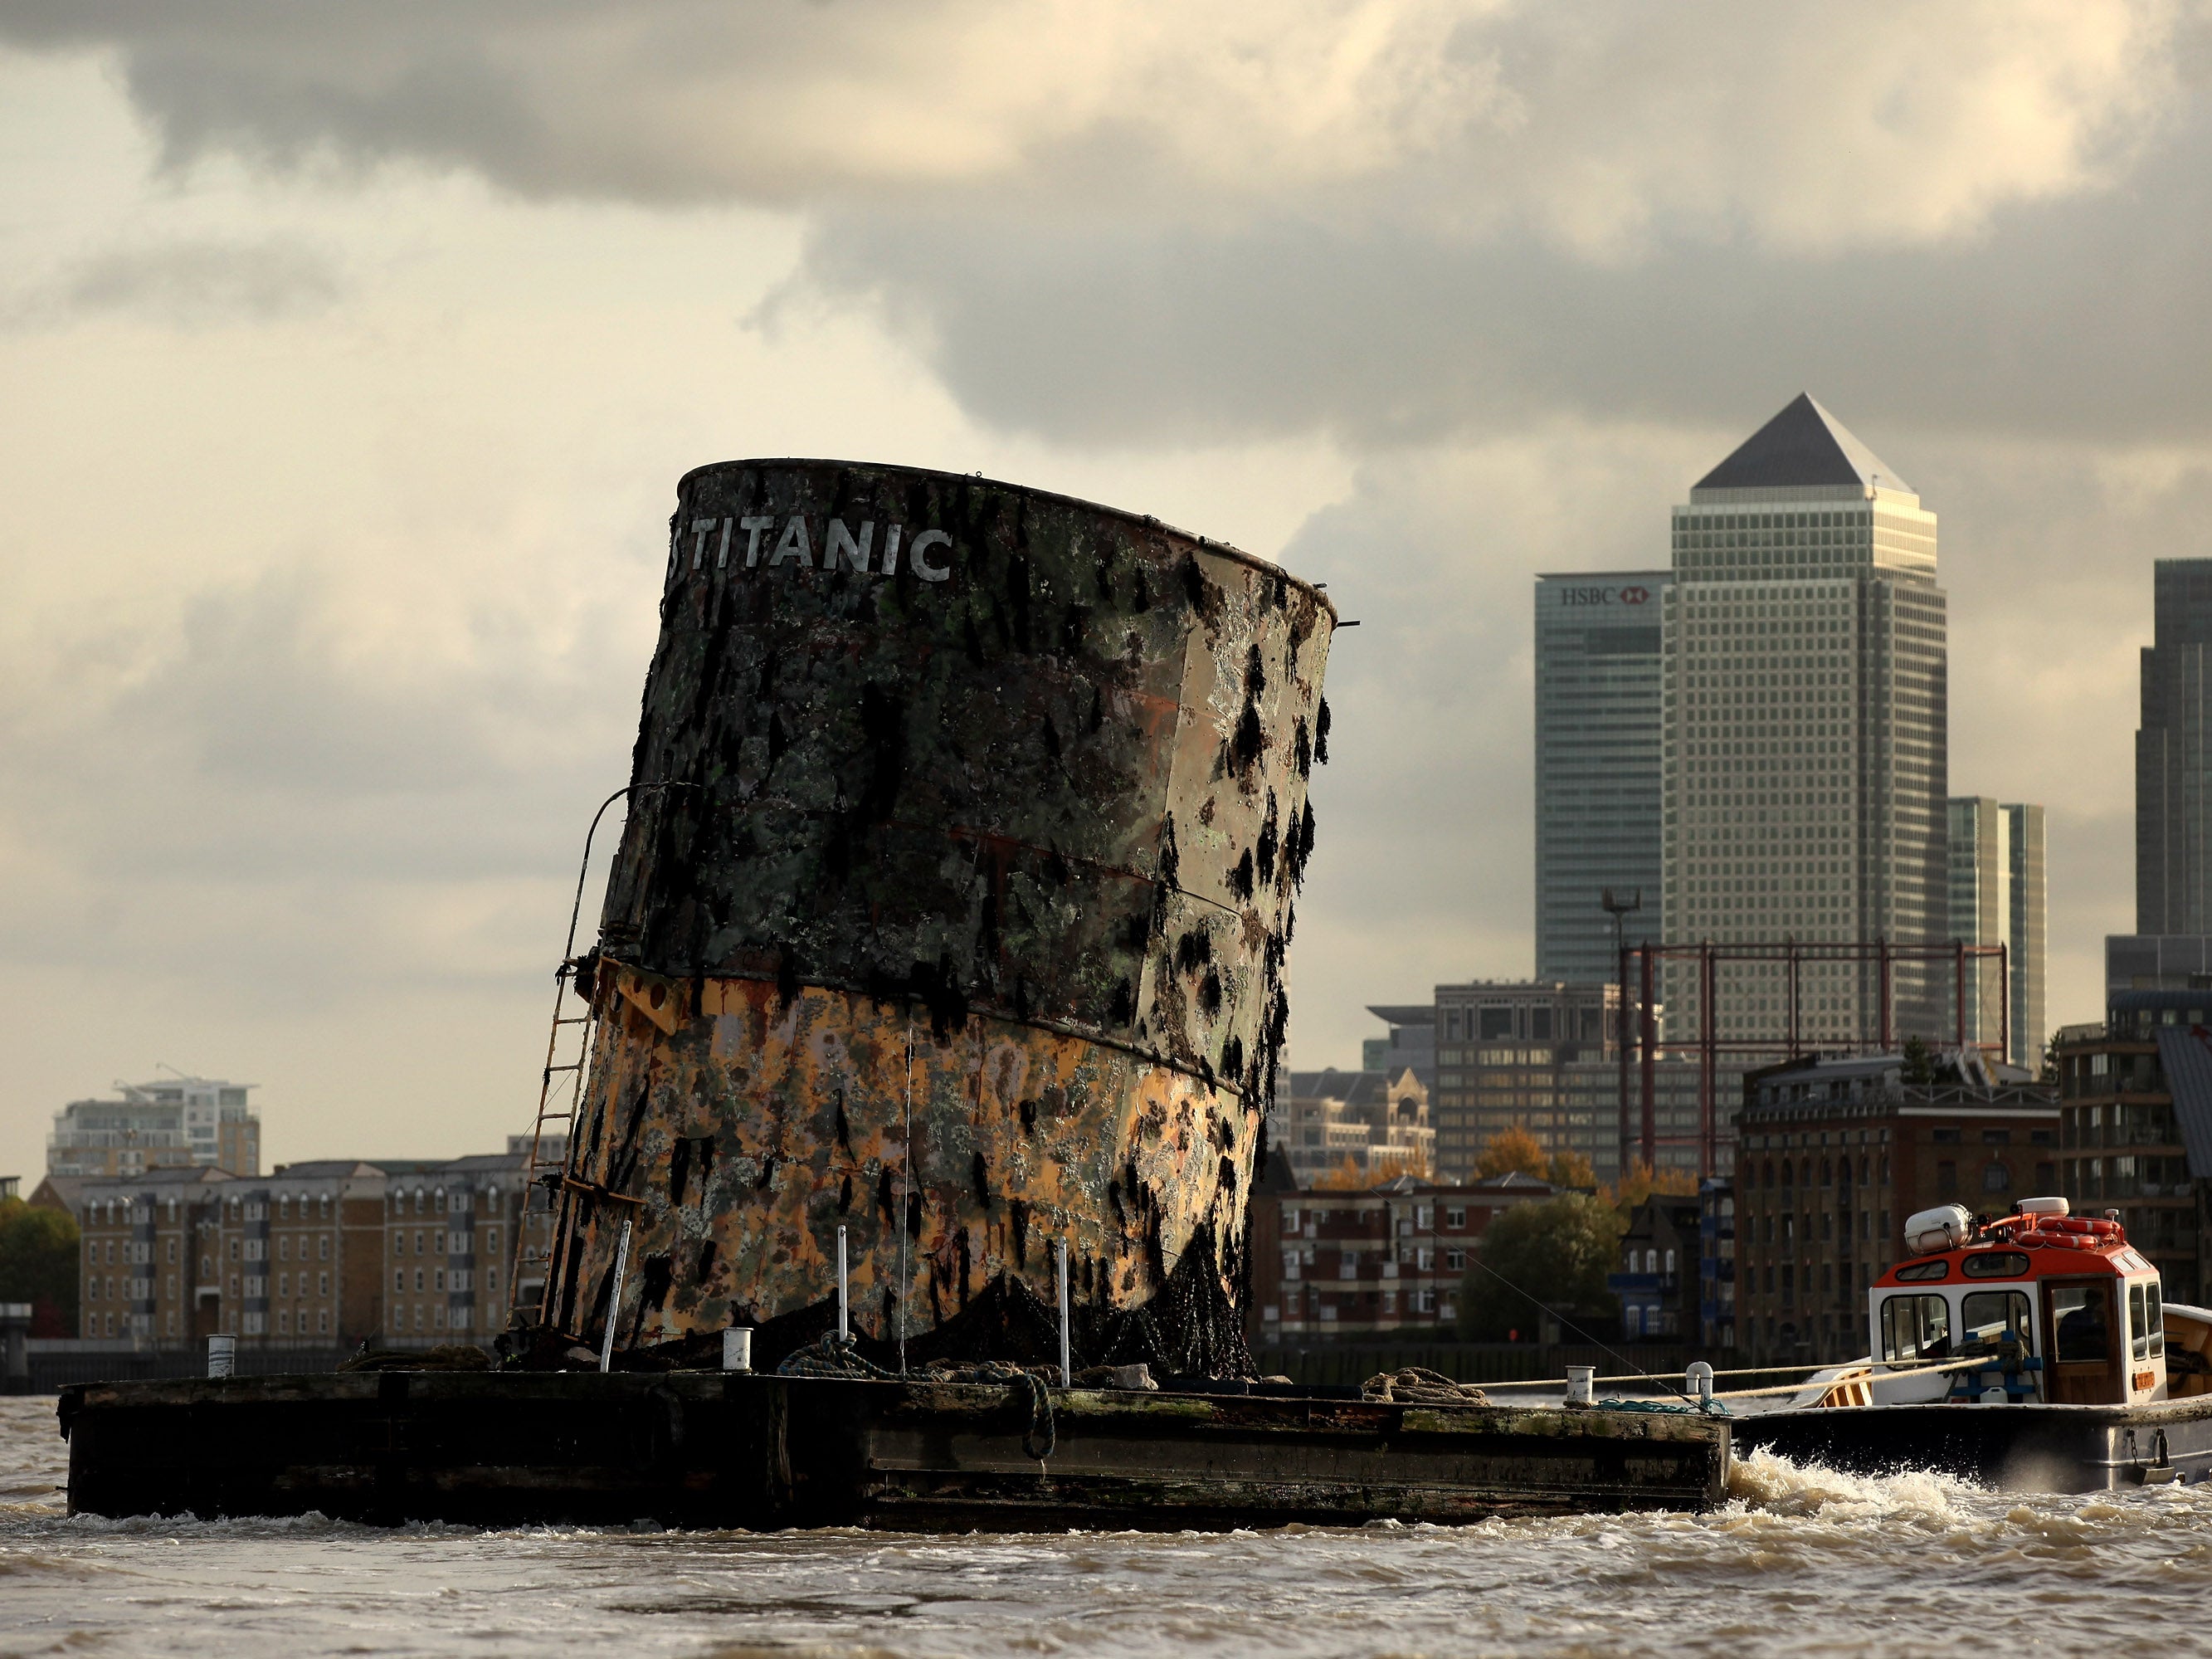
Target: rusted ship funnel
(960,922)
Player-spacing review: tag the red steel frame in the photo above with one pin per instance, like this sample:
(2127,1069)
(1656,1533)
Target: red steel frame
(1709,1045)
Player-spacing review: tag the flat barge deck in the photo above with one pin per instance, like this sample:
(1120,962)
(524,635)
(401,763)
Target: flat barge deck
(715,1449)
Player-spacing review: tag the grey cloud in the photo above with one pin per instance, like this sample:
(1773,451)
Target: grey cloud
(197,283)
(1578,210)
(1591,121)
(2077,318)
(252,747)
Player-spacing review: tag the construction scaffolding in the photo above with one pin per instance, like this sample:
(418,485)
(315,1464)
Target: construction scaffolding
(1642,1045)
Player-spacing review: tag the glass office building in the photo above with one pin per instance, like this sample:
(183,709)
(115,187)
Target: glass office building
(1597,767)
(1805,717)
(1998,897)
(2173,756)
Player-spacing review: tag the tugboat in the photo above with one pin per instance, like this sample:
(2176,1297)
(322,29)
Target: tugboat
(2031,1351)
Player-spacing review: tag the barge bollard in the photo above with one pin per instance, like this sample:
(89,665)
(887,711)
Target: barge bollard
(1066,1370)
(1701,1379)
(737,1349)
(1579,1390)
(223,1355)
(621,1267)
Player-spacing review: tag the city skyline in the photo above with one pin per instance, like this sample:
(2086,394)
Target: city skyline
(301,755)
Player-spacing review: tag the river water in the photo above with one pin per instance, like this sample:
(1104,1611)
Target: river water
(1799,1561)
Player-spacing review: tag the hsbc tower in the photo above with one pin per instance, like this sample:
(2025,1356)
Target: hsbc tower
(1598,766)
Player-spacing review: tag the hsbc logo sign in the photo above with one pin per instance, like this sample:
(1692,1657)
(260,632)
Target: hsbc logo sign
(1594,595)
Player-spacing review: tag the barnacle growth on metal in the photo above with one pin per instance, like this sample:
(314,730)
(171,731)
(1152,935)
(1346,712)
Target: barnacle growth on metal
(966,930)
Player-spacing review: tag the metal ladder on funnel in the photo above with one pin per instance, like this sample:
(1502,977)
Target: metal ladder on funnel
(561,1084)
(560,1093)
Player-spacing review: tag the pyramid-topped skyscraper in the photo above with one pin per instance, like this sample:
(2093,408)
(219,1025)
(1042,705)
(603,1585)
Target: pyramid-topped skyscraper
(1802,448)
(1805,720)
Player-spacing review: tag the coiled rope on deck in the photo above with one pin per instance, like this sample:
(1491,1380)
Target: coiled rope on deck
(833,1356)
(1418,1384)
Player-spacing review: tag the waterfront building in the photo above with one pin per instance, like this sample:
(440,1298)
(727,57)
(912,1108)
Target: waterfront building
(1597,767)
(1805,722)
(314,1255)
(1661,1254)
(1383,1263)
(1998,897)
(2135,1126)
(1834,1154)
(1370,1123)
(175,1122)
(1716,1265)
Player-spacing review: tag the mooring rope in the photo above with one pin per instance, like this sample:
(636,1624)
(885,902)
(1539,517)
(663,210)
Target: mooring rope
(835,1356)
(1981,1363)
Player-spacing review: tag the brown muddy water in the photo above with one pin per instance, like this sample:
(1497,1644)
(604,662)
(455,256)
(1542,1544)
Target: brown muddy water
(1799,1561)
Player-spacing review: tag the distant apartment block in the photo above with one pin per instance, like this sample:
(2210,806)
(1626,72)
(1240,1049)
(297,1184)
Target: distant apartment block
(1998,897)
(1834,1154)
(2135,1129)
(1360,1265)
(1598,708)
(1658,1283)
(398,1253)
(183,1122)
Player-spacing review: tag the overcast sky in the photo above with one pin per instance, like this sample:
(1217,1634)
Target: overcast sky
(348,356)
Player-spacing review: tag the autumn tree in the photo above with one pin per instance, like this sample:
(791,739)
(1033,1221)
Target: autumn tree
(1512,1151)
(1642,1181)
(1552,1256)
(1567,1169)
(37,1265)
(1347,1177)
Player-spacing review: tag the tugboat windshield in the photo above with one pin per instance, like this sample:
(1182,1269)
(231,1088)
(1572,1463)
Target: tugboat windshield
(1915,1328)
(1988,1317)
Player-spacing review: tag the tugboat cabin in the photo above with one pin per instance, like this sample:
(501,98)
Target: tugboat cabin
(2065,1311)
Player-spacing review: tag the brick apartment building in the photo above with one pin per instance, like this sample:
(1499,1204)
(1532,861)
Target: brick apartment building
(320,1255)
(2135,1096)
(1359,1265)
(1834,1156)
